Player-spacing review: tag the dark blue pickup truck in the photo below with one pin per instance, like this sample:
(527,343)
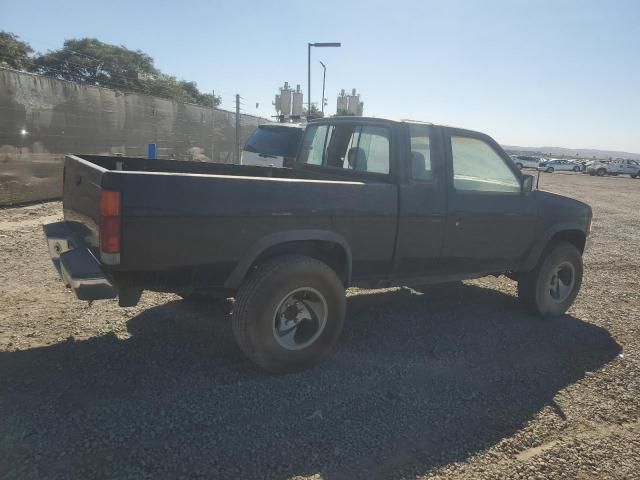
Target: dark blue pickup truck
(368,202)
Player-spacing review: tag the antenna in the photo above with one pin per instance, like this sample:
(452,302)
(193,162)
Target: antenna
(538,179)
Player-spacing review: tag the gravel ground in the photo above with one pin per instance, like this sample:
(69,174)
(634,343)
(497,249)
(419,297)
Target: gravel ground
(457,382)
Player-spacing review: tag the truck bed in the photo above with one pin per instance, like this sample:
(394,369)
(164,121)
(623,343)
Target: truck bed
(190,223)
(134,164)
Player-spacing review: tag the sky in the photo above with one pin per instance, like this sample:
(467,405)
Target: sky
(529,73)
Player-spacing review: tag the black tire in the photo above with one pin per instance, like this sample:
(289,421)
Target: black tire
(635,175)
(576,168)
(601,172)
(549,170)
(264,293)
(534,287)
(519,165)
(592,173)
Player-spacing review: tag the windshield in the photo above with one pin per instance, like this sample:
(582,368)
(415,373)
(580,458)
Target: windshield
(280,141)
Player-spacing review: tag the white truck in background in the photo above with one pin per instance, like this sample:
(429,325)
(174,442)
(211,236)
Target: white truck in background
(618,166)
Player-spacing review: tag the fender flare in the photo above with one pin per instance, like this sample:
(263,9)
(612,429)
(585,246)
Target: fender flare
(239,272)
(531,259)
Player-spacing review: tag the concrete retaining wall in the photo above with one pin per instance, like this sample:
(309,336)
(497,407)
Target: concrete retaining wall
(42,119)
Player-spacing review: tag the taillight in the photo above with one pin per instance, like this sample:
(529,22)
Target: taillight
(110,221)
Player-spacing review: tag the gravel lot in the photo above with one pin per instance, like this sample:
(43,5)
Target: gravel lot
(458,382)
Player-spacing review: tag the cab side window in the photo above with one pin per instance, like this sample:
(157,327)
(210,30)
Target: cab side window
(478,167)
(358,147)
(364,148)
(313,145)
(420,152)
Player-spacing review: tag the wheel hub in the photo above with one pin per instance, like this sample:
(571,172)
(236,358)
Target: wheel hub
(300,318)
(561,282)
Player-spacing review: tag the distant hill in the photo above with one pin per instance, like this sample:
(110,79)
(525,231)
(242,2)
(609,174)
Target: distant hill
(573,152)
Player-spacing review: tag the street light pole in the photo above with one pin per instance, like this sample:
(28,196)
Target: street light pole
(309,80)
(324,78)
(309,45)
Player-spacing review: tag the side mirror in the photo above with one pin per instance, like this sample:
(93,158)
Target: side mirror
(527,183)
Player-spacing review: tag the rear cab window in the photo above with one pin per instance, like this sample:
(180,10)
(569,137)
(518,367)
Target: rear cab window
(274,140)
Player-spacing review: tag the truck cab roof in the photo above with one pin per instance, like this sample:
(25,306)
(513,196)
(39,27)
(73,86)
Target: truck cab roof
(387,121)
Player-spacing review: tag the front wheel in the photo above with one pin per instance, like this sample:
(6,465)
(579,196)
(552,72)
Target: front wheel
(553,285)
(289,314)
(576,169)
(519,165)
(601,172)
(635,175)
(549,170)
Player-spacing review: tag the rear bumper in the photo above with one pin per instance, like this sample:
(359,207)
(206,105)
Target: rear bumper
(77,266)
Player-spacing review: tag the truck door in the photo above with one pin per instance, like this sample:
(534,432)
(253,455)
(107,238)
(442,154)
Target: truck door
(490,221)
(364,214)
(631,167)
(422,211)
(619,166)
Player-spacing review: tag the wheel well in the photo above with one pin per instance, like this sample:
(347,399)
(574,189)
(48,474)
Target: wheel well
(327,252)
(574,237)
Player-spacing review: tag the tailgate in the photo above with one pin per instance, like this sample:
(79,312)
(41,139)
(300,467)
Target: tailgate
(81,198)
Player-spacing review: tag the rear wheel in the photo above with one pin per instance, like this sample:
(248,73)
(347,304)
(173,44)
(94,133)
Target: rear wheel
(289,314)
(576,168)
(519,165)
(635,175)
(549,170)
(552,286)
(601,172)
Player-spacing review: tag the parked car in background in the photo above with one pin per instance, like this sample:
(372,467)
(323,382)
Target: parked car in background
(272,145)
(582,163)
(557,164)
(525,161)
(615,167)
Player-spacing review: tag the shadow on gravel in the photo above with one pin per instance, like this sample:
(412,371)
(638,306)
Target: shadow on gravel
(418,381)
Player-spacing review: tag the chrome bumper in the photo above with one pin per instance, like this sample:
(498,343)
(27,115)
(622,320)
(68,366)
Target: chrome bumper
(78,267)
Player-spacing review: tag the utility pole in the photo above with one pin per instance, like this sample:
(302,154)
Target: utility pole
(213,124)
(237,157)
(308,79)
(324,78)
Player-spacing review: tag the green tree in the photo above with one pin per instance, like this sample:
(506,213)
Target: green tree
(196,96)
(315,112)
(344,113)
(14,53)
(91,61)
